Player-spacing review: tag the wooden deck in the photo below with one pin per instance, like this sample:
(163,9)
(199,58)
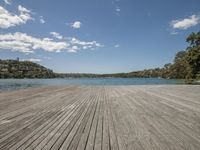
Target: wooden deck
(162,117)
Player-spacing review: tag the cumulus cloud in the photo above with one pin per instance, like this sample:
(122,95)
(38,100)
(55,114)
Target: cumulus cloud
(73,49)
(56,35)
(76,25)
(185,23)
(9,2)
(8,19)
(42,21)
(15,45)
(23,9)
(83,43)
(32,60)
(78,44)
(24,43)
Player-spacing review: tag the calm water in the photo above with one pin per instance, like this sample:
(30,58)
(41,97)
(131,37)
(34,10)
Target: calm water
(13,84)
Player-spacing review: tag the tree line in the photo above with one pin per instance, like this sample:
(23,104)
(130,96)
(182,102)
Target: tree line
(23,69)
(186,65)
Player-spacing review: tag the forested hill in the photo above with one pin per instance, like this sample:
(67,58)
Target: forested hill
(23,69)
(186,65)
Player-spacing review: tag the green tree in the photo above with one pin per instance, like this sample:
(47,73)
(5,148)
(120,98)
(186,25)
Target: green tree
(179,69)
(180,56)
(193,56)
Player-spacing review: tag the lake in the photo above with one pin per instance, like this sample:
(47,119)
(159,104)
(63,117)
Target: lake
(14,84)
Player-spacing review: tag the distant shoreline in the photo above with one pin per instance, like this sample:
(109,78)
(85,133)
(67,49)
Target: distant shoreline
(15,69)
(100,78)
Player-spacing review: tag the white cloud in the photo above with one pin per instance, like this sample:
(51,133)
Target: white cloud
(76,25)
(77,44)
(73,49)
(118,9)
(185,23)
(32,60)
(16,46)
(56,35)
(24,43)
(42,21)
(8,19)
(23,9)
(117,45)
(174,33)
(9,2)
(83,43)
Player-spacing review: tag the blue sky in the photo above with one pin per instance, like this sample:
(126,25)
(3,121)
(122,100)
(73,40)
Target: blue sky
(96,36)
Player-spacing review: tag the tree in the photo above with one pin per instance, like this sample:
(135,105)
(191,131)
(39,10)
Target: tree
(193,56)
(180,56)
(180,66)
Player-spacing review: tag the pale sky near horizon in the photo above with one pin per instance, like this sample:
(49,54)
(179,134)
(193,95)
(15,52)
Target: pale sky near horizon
(96,36)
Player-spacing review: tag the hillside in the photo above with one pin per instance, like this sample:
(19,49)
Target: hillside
(23,69)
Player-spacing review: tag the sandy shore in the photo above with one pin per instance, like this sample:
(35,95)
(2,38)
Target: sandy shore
(156,117)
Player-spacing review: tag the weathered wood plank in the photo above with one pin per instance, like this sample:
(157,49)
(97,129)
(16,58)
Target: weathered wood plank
(153,117)
(48,130)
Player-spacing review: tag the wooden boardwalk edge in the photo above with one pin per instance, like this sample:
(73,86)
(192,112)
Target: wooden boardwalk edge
(145,117)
